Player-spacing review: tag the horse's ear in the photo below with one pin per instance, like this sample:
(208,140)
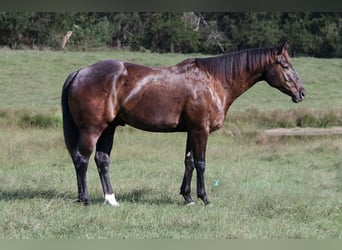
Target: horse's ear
(283,47)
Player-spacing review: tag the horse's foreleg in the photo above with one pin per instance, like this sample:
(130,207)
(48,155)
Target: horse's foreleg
(201,193)
(102,159)
(189,168)
(199,139)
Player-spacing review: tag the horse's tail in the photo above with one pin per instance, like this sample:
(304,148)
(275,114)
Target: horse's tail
(71,132)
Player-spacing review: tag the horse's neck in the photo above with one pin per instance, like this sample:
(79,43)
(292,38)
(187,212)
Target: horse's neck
(237,72)
(240,84)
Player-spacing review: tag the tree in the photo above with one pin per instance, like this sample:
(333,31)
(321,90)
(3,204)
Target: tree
(12,28)
(251,29)
(167,32)
(295,30)
(326,30)
(309,33)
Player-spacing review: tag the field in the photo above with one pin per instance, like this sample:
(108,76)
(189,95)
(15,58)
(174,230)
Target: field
(269,188)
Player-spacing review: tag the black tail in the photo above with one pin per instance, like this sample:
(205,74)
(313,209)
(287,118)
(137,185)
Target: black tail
(71,132)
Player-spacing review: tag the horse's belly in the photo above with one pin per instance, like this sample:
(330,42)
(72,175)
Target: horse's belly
(155,116)
(154,123)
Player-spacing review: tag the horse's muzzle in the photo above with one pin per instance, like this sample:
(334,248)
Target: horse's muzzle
(300,96)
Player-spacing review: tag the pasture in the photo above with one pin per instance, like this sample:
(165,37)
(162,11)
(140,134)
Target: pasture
(268,188)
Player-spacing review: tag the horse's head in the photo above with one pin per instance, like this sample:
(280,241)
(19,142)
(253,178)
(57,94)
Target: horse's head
(281,75)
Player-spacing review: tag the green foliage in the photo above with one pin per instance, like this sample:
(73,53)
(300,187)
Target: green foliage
(310,33)
(252,29)
(30,119)
(40,120)
(318,119)
(12,28)
(167,32)
(290,118)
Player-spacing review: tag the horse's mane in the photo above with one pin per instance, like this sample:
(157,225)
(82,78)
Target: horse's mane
(228,66)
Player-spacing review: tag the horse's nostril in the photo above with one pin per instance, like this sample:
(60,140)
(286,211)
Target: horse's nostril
(302,94)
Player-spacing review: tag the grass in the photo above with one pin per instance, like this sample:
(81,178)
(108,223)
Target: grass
(266,191)
(288,188)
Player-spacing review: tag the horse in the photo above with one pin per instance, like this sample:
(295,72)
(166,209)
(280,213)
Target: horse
(192,96)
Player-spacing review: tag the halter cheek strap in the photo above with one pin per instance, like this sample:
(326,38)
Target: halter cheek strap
(287,79)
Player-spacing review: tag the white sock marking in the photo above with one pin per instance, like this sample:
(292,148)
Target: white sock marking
(191,204)
(110,199)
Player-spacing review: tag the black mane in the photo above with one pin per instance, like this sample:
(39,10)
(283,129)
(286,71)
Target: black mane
(226,67)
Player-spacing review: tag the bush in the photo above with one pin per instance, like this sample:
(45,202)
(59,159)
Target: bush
(309,33)
(289,119)
(40,120)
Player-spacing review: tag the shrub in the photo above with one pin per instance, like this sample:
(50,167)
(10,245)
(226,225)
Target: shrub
(40,120)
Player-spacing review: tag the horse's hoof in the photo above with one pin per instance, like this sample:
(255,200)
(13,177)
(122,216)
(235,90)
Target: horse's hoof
(110,199)
(84,202)
(190,203)
(209,204)
(206,202)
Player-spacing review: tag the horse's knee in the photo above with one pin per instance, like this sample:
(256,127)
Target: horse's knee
(102,161)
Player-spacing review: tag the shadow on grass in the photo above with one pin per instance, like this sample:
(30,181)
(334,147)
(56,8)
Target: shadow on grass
(143,196)
(48,194)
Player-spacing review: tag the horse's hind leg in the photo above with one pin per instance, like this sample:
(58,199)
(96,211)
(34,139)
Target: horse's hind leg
(80,158)
(81,166)
(102,159)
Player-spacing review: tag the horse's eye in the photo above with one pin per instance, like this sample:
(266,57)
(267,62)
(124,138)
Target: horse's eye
(285,65)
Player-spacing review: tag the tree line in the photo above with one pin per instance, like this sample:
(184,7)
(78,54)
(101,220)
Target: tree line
(309,33)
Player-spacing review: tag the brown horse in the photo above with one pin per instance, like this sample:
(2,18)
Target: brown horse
(192,96)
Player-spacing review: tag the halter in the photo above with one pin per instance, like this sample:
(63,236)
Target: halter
(287,79)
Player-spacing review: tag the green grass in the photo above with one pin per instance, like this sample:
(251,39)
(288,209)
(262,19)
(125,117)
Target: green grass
(286,188)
